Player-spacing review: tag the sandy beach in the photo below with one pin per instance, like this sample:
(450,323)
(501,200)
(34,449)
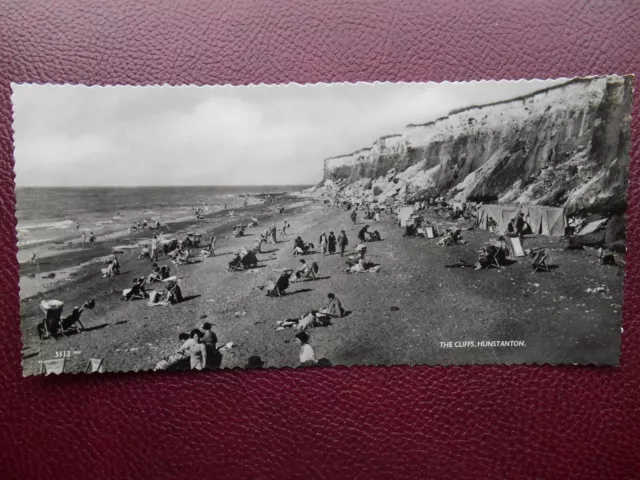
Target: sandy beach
(399,315)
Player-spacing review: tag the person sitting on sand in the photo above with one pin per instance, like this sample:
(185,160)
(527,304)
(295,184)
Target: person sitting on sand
(32,260)
(334,308)
(298,246)
(363,235)
(197,350)
(173,294)
(307,355)
(332,243)
(145,252)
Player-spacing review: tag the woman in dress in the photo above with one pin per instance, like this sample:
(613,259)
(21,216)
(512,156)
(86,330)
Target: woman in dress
(332,243)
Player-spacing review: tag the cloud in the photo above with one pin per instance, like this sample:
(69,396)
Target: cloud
(88,136)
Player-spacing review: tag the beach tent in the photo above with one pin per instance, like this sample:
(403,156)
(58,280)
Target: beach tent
(548,221)
(403,215)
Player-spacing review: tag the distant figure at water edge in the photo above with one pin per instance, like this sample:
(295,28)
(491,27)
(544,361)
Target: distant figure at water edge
(33,258)
(84,237)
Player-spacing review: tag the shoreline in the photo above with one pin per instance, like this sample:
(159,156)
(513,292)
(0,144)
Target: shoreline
(69,261)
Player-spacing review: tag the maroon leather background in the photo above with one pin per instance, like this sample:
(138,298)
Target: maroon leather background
(401,422)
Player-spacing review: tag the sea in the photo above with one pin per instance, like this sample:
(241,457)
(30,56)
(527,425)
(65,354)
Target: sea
(55,215)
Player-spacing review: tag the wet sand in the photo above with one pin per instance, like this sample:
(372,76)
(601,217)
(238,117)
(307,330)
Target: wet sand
(552,312)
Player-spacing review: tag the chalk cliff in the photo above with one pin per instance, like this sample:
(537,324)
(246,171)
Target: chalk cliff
(567,145)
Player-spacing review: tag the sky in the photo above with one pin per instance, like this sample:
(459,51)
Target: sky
(252,135)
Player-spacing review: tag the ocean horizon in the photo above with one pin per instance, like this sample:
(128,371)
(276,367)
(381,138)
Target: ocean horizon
(51,214)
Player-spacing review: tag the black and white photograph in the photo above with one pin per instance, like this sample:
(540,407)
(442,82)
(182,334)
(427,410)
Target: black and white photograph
(172,228)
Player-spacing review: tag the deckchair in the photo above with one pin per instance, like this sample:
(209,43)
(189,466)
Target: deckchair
(279,287)
(312,272)
(51,325)
(493,258)
(540,260)
(52,366)
(95,365)
(134,293)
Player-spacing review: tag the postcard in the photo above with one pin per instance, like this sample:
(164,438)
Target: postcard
(165,228)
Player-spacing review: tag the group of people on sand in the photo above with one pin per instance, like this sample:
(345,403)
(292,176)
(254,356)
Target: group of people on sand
(328,244)
(199,345)
(90,239)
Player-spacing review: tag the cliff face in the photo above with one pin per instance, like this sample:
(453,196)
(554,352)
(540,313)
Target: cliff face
(564,146)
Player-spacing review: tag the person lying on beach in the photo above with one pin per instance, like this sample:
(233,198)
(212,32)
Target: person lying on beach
(360,266)
(306,321)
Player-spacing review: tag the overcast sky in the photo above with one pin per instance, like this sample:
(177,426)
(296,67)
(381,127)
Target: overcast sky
(256,135)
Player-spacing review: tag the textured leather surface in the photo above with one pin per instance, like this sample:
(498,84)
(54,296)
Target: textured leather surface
(401,422)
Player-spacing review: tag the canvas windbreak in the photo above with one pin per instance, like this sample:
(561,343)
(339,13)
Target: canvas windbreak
(549,221)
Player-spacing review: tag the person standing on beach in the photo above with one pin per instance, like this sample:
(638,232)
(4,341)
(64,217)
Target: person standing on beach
(343,241)
(332,243)
(324,243)
(154,248)
(273,233)
(354,216)
(84,237)
(212,246)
